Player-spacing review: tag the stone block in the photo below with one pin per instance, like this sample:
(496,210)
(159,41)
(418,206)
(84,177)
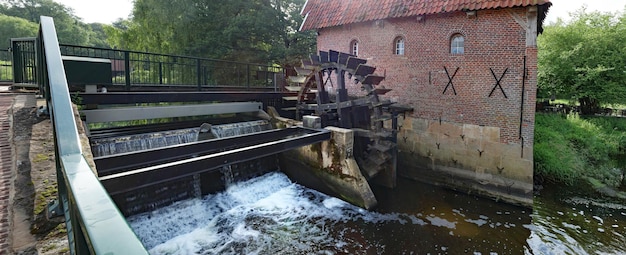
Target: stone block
(521,170)
(446,128)
(491,134)
(312,121)
(407,140)
(418,125)
(342,137)
(472,131)
(474,144)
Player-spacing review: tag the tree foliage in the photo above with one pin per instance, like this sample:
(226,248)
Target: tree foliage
(263,31)
(14,27)
(585,59)
(70,29)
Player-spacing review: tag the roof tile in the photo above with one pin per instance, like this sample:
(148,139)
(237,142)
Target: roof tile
(330,13)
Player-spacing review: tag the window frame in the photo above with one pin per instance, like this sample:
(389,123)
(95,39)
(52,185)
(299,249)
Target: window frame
(457,47)
(397,42)
(354,47)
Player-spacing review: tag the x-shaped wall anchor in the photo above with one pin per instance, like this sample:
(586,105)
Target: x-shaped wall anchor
(450,80)
(498,82)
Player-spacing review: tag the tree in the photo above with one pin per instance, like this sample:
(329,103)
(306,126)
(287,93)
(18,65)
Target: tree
(70,29)
(585,59)
(14,27)
(96,35)
(263,31)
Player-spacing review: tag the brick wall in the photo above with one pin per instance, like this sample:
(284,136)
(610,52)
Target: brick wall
(493,40)
(468,140)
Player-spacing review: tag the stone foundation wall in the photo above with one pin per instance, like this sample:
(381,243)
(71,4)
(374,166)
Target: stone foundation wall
(469,157)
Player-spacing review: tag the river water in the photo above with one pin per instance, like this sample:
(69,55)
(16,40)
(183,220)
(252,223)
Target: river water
(272,215)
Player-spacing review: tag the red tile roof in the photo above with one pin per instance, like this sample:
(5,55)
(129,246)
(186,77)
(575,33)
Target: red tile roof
(330,13)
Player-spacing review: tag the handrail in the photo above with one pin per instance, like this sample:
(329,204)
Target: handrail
(94,224)
(134,68)
(167,55)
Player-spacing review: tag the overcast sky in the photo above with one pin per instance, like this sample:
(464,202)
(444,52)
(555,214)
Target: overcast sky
(108,11)
(562,8)
(100,11)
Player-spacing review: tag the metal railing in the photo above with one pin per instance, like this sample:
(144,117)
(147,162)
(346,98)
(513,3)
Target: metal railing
(94,224)
(6,66)
(24,57)
(132,68)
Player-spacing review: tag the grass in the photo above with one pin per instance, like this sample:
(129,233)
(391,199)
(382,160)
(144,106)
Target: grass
(42,198)
(6,71)
(568,148)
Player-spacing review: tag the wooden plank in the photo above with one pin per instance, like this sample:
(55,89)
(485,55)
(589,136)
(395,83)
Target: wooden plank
(293,88)
(304,71)
(294,98)
(297,79)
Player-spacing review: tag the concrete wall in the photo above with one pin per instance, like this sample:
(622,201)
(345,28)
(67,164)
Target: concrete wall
(471,120)
(330,167)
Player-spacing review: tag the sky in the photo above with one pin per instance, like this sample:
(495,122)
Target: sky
(562,8)
(99,11)
(108,11)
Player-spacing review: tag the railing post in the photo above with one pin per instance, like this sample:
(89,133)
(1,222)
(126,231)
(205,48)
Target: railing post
(199,80)
(127,69)
(160,72)
(248,74)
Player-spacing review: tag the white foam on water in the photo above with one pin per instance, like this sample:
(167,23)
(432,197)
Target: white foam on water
(265,215)
(270,215)
(436,221)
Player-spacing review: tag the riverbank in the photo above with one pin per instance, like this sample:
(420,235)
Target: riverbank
(569,148)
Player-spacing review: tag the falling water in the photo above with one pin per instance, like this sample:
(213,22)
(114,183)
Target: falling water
(240,128)
(123,144)
(116,145)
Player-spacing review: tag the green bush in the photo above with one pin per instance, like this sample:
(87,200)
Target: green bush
(569,147)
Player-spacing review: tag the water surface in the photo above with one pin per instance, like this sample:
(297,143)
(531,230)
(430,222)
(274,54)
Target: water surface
(272,215)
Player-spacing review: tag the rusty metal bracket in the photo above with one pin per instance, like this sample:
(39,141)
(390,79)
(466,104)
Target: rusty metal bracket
(498,82)
(450,84)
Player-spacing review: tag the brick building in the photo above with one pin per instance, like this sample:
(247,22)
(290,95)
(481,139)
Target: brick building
(469,70)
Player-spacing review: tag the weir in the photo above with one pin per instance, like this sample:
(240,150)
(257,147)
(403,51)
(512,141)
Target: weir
(94,216)
(152,149)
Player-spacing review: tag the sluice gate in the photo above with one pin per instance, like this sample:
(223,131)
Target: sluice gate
(192,149)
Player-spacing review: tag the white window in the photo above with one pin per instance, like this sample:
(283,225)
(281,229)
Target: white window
(354,47)
(457,44)
(399,42)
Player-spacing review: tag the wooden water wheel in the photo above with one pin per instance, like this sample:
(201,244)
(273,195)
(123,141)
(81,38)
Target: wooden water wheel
(375,145)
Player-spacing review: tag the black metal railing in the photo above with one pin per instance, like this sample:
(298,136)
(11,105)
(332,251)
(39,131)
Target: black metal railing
(6,71)
(23,56)
(132,68)
(93,222)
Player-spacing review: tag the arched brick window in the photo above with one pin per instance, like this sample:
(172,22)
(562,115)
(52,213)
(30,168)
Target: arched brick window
(354,47)
(457,44)
(398,45)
